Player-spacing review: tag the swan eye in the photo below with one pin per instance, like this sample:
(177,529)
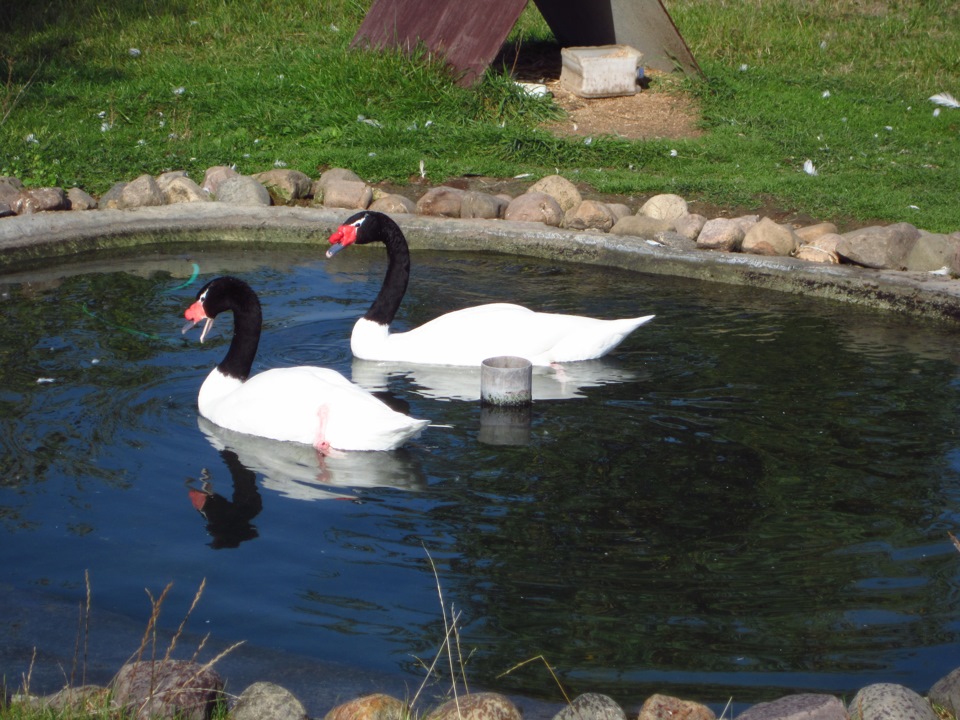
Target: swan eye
(203,297)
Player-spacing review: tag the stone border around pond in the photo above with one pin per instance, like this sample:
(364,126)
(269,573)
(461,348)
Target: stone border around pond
(35,239)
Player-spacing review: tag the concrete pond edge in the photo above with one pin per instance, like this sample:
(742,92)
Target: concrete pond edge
(33,240)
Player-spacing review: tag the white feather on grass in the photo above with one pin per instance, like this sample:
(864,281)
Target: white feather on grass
(945,99)
(809,168)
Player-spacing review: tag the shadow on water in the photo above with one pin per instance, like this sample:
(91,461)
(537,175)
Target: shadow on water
(750,497)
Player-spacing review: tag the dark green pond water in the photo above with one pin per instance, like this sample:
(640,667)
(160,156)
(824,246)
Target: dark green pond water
(750,497)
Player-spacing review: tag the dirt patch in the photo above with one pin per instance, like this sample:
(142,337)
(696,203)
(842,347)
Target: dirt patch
(658,110)
(648,115)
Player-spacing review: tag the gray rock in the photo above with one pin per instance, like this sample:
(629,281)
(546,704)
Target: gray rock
(879,247)
(352,194)
(285,184)
(664,207)
(393,204)
(266,701)
(592,706)
(933,251)
(945,692)
(441,201)
(141,192)
(10,189)
(888,701)
(242,190)
(6,210)
(769,238)
(167,689)
(805,706)
(589,215)
(477,706)
(675,240)
(641,226)
(721,234)
(216,176)
(40,200)
(560,189)
(78,199)
(534,207)
(482,205)
(690,225)
(619,210)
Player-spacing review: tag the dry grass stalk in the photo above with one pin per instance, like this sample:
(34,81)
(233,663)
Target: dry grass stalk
(549,669)
(450,630)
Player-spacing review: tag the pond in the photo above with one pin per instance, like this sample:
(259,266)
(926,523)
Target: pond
(751,496)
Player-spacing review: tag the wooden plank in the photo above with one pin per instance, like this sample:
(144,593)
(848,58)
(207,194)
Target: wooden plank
(467,34)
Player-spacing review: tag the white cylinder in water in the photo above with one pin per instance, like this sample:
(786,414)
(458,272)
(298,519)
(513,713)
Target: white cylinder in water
(506,381)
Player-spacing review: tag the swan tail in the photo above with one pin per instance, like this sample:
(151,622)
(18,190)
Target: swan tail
(598,341)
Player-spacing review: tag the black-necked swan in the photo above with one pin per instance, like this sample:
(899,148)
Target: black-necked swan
(468,336)
(310,405)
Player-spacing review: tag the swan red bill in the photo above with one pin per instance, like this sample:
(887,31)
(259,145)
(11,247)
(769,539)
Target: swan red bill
(345,235)
(194,314)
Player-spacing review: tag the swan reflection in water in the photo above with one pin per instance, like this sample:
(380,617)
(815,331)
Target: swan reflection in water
(448,382)
(290,469)
(297,471)
(228,521)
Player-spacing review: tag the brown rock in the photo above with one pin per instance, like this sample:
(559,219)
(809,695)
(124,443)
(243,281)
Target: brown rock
(482,205)
(589,215)
(40,200)
(769,238)
(181,190)
(167,689)
(352,194)
(932,251)
(394,204)
(811,232)
(665,707)
(664,207)
(370,707)
(442,201)
(78,199)
(477,706)
(560,189)
(535,207)
(286,185)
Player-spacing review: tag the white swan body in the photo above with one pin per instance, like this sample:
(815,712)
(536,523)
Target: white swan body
(310,405)
(468,336)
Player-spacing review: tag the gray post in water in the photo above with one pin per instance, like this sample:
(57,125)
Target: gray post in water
(506,381)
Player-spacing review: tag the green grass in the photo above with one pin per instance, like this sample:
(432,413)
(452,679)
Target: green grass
(275,83)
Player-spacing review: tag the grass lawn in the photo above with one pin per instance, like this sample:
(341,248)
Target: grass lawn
(93,93)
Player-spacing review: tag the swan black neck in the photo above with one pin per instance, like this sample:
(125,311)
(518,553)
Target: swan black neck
(387,302)
(229,293)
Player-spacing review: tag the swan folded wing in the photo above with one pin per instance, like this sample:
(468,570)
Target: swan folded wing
(469,336)
(288,404)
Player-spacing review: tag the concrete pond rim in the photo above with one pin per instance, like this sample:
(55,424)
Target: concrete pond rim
(32,241)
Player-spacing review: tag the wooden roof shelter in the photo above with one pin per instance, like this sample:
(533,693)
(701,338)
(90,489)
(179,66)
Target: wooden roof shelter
(469,34)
